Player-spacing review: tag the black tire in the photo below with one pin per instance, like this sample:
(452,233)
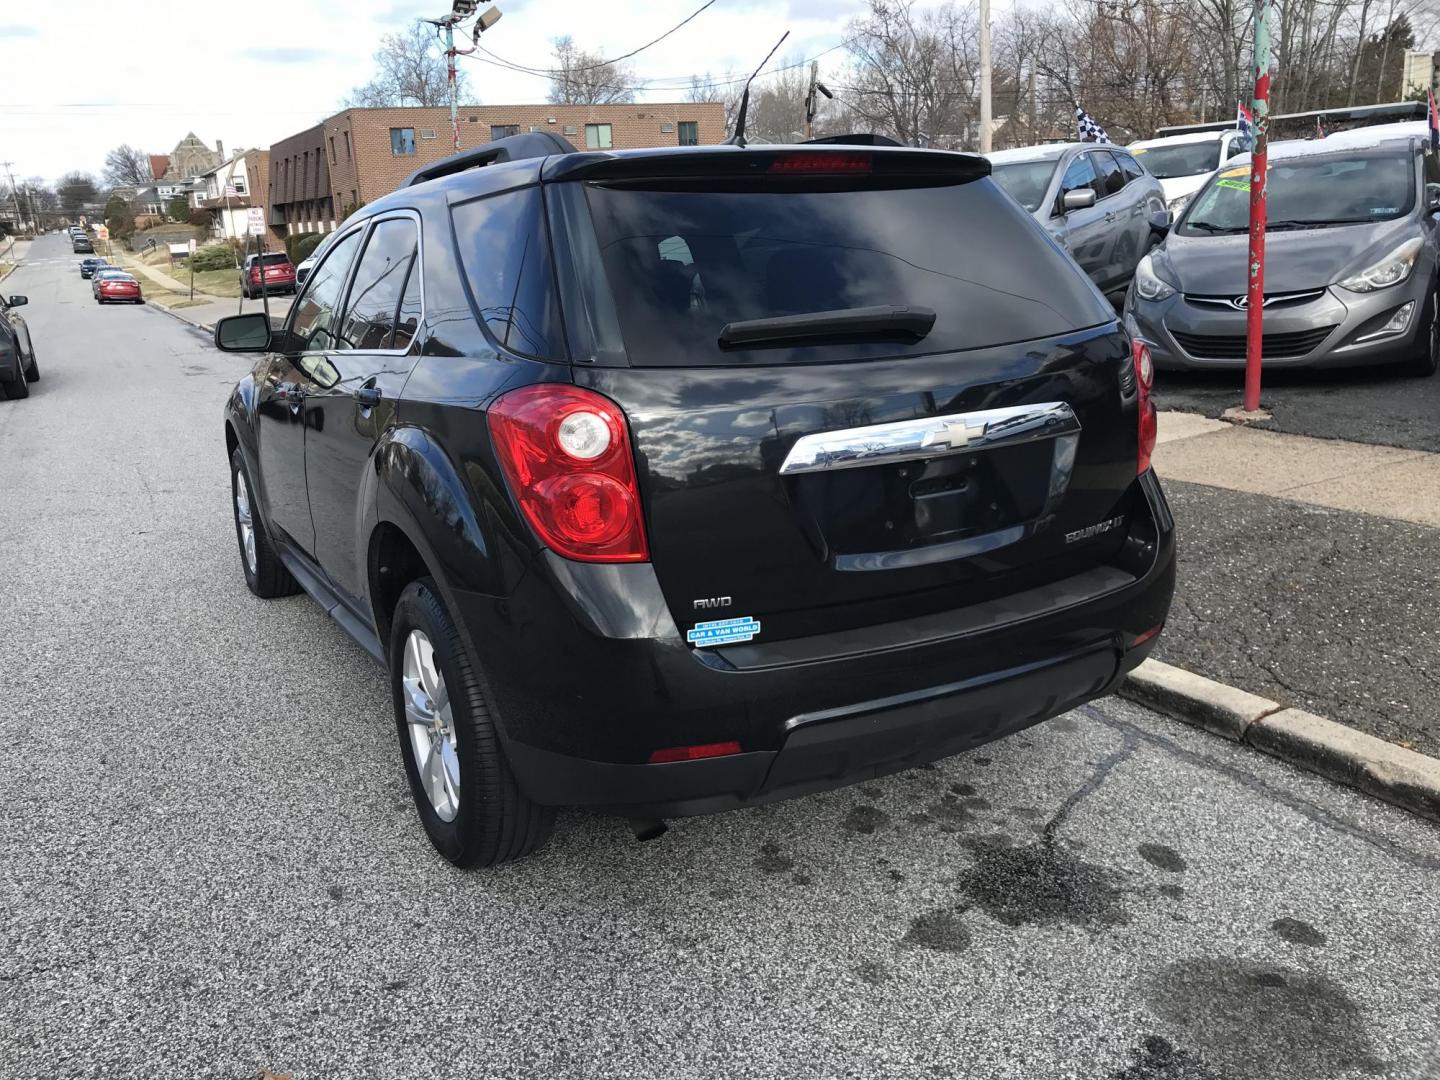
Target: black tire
(495,821)
(32,369)
(17,388)
(268,578)
(1426,360)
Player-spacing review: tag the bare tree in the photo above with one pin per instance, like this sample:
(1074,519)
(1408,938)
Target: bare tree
(77,190)
(583,78)
(127,167)
(410,70)
(725,90)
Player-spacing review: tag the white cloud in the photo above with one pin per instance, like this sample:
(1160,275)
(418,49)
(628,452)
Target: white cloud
(253,74)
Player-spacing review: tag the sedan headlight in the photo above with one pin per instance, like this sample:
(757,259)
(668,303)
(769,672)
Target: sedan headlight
(1391,270)
(1148,284)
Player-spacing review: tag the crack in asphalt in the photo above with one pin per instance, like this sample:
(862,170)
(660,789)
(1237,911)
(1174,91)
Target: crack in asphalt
(1307,809)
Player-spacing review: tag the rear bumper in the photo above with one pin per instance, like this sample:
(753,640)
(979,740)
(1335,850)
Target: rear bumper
(586,690)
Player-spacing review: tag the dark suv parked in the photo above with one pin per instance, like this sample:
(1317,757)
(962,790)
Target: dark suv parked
(672,481)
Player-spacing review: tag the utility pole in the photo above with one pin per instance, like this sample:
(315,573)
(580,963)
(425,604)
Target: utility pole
(985,76)
(812,104)
(1255,294)
(459,12)
(14,196)
(1034,107)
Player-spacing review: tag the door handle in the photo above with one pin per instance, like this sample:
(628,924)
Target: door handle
(368,396)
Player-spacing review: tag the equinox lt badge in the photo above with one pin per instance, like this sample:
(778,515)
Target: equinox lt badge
(1094,530)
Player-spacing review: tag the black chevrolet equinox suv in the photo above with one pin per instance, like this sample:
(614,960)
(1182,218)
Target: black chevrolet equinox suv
(671,481)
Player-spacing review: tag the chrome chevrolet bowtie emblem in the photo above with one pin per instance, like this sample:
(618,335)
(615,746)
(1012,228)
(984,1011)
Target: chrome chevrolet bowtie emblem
(954,433)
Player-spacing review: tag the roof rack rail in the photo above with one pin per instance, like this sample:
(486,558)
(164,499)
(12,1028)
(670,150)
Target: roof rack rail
(859,138)
(532,144)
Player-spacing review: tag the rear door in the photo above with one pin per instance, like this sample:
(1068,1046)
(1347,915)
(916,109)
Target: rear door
(850,480)
(1126,210)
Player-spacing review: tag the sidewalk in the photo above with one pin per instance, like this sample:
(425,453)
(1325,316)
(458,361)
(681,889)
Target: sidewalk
(1308,573)
(205,310)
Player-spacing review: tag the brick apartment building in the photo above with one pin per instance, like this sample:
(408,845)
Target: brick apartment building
(359,155)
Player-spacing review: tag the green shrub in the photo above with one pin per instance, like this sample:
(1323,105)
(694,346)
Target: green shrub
(296,241)
(178,209)
(214,257)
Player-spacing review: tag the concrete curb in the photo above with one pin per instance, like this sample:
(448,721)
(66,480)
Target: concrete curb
(1401,777)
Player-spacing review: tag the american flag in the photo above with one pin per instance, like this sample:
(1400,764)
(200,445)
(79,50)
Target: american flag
(1089,130)
(1245,125)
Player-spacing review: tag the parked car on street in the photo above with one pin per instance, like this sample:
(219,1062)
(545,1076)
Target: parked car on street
(112,285)
(18,367)
(89,266)
(1350,260)
(791,491)
(279,274)
(1096,201)
(81,244)
(1182,163)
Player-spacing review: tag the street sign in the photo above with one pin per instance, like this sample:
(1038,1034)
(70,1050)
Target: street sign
(192,245)
(102,232)
(256,216)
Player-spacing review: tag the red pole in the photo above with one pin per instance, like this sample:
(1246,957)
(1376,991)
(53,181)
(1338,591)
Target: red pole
(1255,293)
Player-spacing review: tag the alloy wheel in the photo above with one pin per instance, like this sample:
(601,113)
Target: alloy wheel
(431,724)
(245,518)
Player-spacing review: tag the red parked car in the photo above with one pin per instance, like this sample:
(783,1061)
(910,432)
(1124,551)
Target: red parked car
(117,286)
(279,274)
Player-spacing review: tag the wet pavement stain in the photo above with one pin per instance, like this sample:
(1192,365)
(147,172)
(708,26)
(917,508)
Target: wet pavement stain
(1174,892)
(772,860)
(963,789)
(872,972)
(941,930)
(864,819)
(1157,1059)
(1166,858)
(1064,723)
(1297,932)
(1259,1021)
(1043,883)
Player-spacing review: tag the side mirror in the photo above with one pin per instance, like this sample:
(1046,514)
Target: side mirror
(1079,199)
(1432,198)
(243,333)
(18,301)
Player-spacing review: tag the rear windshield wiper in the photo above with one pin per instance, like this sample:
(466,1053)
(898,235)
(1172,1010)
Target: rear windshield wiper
(884,322)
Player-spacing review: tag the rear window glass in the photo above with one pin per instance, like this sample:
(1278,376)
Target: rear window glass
(682,264)
(274,260)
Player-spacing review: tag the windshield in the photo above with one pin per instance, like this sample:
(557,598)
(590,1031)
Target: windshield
(1309,191)
(1025,181)
(681,265)
(1182,159)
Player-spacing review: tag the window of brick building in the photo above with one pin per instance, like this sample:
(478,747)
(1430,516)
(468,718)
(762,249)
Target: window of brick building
(333,158)
(689,133)
(402,142)
(597,137)
(346,136)
(503,131)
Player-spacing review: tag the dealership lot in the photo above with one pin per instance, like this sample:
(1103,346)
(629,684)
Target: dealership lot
(213,866)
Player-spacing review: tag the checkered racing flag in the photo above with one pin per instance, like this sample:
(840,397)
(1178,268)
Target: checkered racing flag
(1090,131)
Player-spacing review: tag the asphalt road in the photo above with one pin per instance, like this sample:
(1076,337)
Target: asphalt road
(211,867)
(1330,611)
(1358,404)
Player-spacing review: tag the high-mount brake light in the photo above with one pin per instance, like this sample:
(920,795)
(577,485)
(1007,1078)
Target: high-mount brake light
(1149,422)
(787,164)
(566,453)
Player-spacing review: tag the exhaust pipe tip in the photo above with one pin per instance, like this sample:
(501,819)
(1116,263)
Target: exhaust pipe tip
(648,828)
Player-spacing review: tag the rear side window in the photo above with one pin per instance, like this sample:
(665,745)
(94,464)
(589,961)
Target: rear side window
(681,264)
(505,249)
(380,280)
(1130,167)
(1112,180)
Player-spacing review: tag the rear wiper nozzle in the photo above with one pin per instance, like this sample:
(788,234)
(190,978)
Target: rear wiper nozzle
(884,322)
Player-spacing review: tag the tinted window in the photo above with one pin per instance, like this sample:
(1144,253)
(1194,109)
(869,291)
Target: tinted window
(506,251)
(380,277)
(1320,191)
(1130,167)
(1111,178)
(1080,174)
(682,264)
(1181,159)
(1025,181)
(312,317)
(275,260)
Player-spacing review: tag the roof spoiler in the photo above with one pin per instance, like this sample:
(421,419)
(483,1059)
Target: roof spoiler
(532,144)
(859,138)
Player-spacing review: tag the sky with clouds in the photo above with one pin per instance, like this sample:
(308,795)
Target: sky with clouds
(80,77)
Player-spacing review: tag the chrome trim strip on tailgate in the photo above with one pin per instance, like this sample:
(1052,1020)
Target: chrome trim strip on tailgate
(931,436)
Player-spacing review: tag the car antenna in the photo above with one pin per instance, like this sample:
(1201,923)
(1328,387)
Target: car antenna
(738,139)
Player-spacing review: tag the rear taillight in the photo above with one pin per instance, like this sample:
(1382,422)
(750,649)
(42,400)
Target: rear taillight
(566,453)
(1145,382)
